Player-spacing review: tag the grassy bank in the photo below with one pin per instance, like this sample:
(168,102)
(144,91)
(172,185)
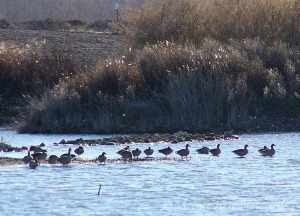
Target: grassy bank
(188,72)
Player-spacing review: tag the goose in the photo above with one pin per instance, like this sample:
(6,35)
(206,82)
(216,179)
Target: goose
(33,164)
(203,150)
(166,151)
(102,158)
(136,152)
(269,152)
(263,149)
(32,148)
(26,159)
(149,151)
(124,149)
(65,160)
(38,149)
(216,151)
(39,156)
(184,152)
(42,145)
(66,154)
(52,159)
(79,150)
(126,154)
(241,152)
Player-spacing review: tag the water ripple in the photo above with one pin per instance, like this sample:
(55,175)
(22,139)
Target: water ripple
(201,185)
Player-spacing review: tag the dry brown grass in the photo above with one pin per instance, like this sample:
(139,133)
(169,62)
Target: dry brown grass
(201,65)
(190,20)
(26,69)
(169,87)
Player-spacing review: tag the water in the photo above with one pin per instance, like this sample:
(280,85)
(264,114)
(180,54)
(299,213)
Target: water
(203,185)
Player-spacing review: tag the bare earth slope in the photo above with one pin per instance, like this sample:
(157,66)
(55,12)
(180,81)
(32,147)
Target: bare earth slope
(87,47)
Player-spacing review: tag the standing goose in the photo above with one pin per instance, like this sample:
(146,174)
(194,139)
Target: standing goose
(39,155)
(136,153)
(79,150)
(269,152)
(149,151)
(124,149)
(263,149)
(52,159)
(126,155)
(42,145)
(66,154)
(203,150)
(102,158)
(33,164)
(38,149)
(166,151)
(241,152)
(184,152)
(65,160)
(26,159)
(216,152)
(32,148)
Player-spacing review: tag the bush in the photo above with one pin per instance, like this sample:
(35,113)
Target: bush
(190,20)
(169,87)
(26,69)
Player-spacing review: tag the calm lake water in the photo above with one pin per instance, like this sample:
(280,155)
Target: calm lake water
(202,185)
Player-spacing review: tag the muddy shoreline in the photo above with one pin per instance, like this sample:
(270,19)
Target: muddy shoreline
(7,161)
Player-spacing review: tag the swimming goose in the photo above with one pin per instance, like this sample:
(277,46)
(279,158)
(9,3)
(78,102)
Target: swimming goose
(33,164)
(263,149)
(184,152)
(65,160)
(27,158)
(166,151)
(203,150)
(52,159)
(149,151)
(126,154)
(102,158)
(216,152)
(269,152)
(79,150)
(241,152)
(136,153)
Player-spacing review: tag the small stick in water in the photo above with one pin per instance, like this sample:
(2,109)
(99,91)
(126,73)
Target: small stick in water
(99,190)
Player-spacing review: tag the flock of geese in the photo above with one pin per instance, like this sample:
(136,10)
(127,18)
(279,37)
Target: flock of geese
(39,154)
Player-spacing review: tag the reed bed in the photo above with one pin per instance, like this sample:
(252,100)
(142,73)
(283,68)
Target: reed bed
(169,87)
(197,66)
